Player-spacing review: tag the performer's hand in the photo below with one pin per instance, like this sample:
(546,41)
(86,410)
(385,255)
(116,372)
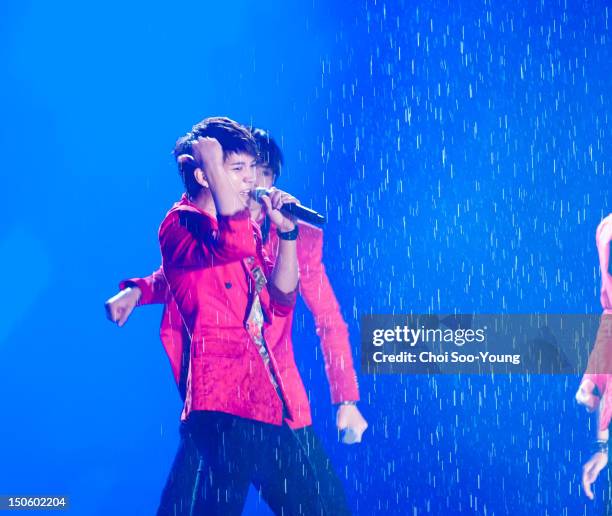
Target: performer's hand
(349,419)
(120,306)
(586,397)
(208,155)
(590,471)
(273,203)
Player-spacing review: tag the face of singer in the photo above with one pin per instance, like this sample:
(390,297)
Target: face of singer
(242,172)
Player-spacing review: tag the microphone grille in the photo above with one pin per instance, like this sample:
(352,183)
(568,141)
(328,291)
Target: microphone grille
(258,193)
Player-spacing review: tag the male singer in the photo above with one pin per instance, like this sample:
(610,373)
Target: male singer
(318,294)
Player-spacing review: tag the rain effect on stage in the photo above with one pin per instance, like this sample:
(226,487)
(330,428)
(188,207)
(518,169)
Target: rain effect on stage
(460,152)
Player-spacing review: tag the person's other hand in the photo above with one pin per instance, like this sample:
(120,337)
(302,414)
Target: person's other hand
(120,306)
(208,154)
(590,471)
(350,420)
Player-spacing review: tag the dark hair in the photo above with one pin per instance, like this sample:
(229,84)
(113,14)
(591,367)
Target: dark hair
(269,152)
(232,136)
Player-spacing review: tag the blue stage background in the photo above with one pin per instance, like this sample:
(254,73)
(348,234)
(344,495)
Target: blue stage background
(460,150)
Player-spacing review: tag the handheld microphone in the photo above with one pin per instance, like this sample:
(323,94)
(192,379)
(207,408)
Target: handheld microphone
(296,210)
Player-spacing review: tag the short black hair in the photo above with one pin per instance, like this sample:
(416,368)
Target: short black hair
(233,137)
(270,153)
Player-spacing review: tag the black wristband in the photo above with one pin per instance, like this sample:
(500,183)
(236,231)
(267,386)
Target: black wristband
(600,446)
(288,235)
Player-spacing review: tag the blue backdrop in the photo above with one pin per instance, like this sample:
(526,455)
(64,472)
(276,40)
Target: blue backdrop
(459,149)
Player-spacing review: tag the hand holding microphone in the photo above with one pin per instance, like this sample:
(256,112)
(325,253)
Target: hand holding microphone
(274,201)
(287,205)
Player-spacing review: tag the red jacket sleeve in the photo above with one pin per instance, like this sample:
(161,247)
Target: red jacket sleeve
(153,288)
(189,239)
(599,371)
(281,303)
(599,367)
(331,328)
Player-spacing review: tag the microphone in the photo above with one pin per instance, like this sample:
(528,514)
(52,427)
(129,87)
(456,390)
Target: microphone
(296,210)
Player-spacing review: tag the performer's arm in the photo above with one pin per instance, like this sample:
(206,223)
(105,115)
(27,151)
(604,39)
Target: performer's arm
(597,375)
(152,289)
(284,277)
(281,303)
(599,459)
(332,330)
(208,156)
(603,239)
(187,238)
(599,368)
(285,273)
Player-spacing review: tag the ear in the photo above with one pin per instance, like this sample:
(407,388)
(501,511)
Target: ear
(198,173)
(188,166)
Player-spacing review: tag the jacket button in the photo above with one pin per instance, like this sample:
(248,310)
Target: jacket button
(250,260)
(228,285)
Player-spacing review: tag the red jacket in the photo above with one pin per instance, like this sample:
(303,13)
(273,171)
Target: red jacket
(320,299)
(599,366)
(208,264)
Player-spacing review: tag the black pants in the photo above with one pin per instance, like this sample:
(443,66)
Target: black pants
(177,496)
(289,467)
